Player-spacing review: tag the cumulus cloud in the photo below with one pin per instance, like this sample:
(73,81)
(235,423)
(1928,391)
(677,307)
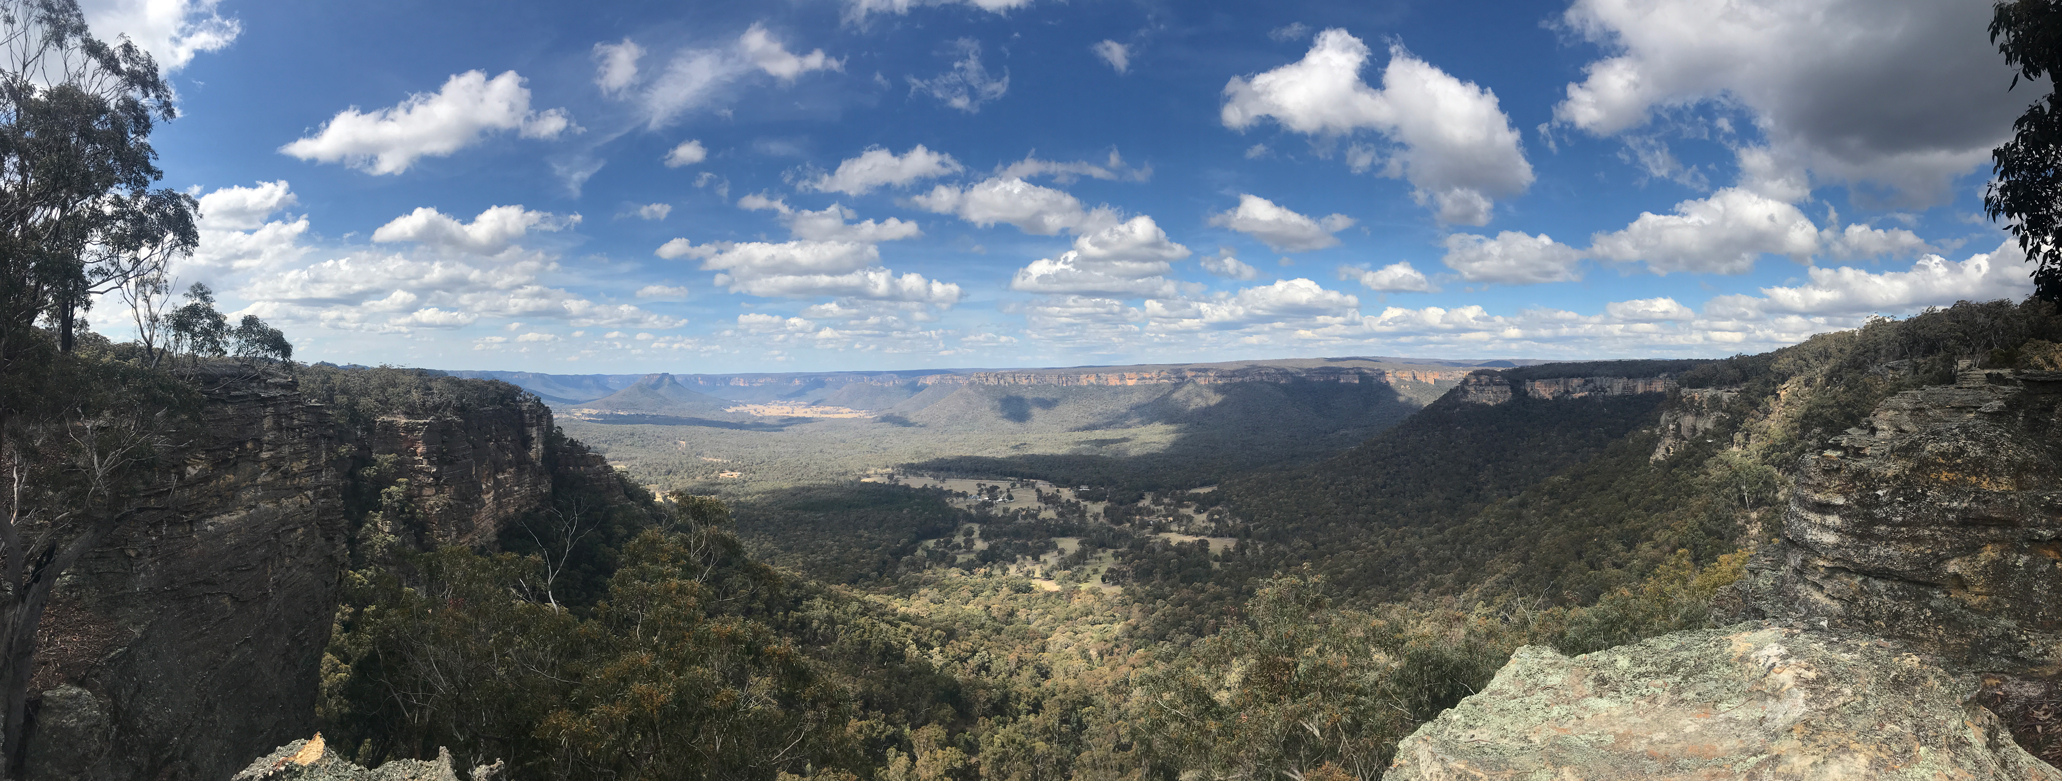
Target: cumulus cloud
(1859,92)
(1931,281)
(237,230)
(760,48)
(689,152)
(1647,310)
(968,84)
(799,269)
(493,231)
(877,167)
(1512,258)
(1451,140)
(1127,259)
(1280,229)
(1286,303)
(1037,210)
(1723,234)
(1393,278)
(654,211)
(465,110)
(1116,54)
(832,223)
(698,78)
(173,31)
(1223,264)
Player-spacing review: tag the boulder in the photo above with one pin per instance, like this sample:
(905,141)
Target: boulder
(1758,700)
(313,760)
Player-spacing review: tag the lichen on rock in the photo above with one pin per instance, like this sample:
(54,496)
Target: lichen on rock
(1755,701)
(312,760)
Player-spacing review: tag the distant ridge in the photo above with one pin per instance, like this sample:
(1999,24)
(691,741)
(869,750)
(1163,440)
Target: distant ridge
(658,394)
(882,389)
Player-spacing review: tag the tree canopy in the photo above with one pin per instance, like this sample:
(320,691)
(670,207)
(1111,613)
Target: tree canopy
(2027,191)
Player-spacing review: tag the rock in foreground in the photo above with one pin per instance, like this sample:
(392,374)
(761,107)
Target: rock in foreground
(1754,701)
(311,760)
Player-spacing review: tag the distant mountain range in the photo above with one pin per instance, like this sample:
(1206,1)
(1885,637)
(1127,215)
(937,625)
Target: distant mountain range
(881,390)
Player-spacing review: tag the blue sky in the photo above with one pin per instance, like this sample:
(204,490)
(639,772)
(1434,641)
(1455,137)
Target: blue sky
(873,184)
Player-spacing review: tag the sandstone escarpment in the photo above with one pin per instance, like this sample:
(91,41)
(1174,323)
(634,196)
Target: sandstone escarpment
(1755,701)
(468,472)
(189,641)
(1493,387)
(1939,523)
(1694,413)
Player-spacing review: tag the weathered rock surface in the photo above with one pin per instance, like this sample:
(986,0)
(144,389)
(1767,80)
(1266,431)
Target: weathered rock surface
(1754,701)
(468,473)
(1938,523)
(313,761)
(1692,414)
(1494,387)
(188,642)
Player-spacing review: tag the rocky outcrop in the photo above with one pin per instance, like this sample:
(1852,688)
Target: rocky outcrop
(1494,387)
(189,641)
(1755,701)
(313,760)
(469,472)
(1938,523)
(1690,415)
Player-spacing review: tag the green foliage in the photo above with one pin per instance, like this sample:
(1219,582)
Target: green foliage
(2027,170)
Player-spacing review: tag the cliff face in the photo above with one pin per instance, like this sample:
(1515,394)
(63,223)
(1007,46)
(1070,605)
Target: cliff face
(1695,413)
(1938,523)
(190,641)
(469,472)
(1491,387)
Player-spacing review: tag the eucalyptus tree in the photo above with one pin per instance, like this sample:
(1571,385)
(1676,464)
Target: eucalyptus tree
(2027,190)
(80,440)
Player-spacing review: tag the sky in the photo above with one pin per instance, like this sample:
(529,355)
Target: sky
(814,185)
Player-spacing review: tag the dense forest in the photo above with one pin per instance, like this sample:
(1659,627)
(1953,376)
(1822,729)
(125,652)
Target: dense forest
(1294,621)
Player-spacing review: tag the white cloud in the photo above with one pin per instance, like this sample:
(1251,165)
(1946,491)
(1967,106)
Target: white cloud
(671,292)
(1224,265)
(1931,281)
(760,48)
(1454,144)
(877,167)
(1646,310)
(534,336)
(1723,234)
(1112,170)
(173,31)
(1286,303)
(1512,258)
(695,79)
(615,65)
(1293,31)
(689,152)
(967,85)
(1862,241)
(494,230)
(858,9)
(1036,210)
(1860,92)
(237,232)
(798,269)
(469,105)
(1116,54)
(1280,229)
(432,317)
(1127,259)
(654,211)
(831,223)
(1393,278)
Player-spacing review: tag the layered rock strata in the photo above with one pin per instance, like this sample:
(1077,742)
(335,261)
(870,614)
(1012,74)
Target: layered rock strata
(1754,701)
(467,473)
(189,641)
